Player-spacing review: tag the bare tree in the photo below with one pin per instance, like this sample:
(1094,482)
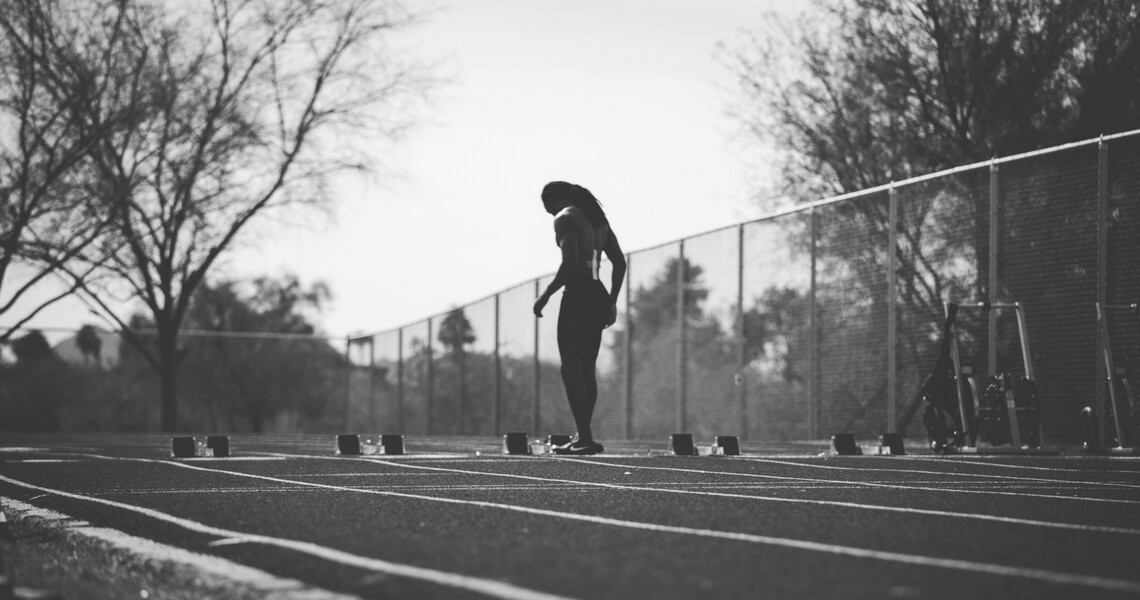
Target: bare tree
(47,217)
(250,107)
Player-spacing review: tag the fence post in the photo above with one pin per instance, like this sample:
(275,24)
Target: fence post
(991,332)
(628,349)
(892,306)
(1101,269)
(813,334)
(400,378)
(348,383)
(461,353)
(496,408)
(681,400)
(371,383)
(741,392)
(430,377)
(535,406)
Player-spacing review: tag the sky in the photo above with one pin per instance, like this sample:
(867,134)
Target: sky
(624,97)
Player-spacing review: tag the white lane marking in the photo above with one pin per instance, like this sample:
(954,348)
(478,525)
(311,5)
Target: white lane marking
(1117,484)
(47,460)
(894,486)
(227,458)
(412,456)
(489,587)
(536,487)
(22,449)
(973,516)
(953,490)
(788,481)
(985,461)
(851,551)
(212,571)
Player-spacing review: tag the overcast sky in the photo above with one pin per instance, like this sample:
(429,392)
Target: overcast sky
(624,97)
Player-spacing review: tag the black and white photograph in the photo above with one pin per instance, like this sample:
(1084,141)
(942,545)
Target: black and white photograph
(569,299)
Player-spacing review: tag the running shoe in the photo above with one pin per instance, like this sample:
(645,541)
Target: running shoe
(580,449)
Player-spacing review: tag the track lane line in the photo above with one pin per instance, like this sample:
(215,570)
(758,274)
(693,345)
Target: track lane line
(1116,484)
(869,484)
(211,572)
(917,511)
(982,461)
(488,587)
(1043,575)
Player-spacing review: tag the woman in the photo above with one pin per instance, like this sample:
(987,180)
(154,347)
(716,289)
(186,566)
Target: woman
(583,233)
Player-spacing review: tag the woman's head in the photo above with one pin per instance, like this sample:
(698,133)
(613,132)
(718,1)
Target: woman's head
(559,193)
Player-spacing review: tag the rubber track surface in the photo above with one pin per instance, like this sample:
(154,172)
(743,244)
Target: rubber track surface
(455,518)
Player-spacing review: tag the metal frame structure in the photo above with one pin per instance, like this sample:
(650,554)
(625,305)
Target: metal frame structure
(1125,442)
(964,379)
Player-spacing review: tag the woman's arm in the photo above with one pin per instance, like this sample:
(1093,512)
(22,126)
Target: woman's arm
(568,242)
(617,259)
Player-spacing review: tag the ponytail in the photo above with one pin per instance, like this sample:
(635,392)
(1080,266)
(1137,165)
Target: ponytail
(589,205)
(580,197)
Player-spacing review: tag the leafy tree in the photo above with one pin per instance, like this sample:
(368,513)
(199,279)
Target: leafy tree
(860,93)
(250,356)
(864,92)
(33,390)
(90,345)
(455,333)
(653,308)
(238,110)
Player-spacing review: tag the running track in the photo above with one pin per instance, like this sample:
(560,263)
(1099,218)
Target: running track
(454,518)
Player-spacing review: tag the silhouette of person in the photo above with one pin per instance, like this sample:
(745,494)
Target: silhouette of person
(583,233)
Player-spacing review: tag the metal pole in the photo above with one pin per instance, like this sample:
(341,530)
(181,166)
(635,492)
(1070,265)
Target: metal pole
(348,383)
(628,349)
(1102,373)
(400,378)
(536,403)
(496,408)
(741,357)
(991,345)
(430,377)
(681,336)
(461,354)
(371,383)
(813,334)
(892,307)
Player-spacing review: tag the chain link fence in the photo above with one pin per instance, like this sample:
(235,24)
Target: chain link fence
(815,320)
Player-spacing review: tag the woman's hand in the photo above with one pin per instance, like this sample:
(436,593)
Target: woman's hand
(613,315)
(540,303)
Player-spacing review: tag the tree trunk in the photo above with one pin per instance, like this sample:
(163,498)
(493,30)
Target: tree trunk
(168,373)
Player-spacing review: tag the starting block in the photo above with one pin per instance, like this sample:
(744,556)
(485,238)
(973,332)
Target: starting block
(893,442)
(516,442)
(729,445)
(217,446)
(354,444)
(348,444)
(546,446)
(391,443)
(843,444)
(681,444)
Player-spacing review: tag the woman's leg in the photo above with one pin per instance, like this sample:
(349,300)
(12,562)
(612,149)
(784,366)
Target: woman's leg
(581,392)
